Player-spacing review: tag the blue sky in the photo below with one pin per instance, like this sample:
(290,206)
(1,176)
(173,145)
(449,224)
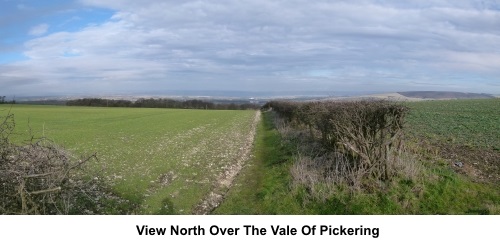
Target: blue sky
(112,47)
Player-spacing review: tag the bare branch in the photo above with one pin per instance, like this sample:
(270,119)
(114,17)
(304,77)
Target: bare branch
(45,191)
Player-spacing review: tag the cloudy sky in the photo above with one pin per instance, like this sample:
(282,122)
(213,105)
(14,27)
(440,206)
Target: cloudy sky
(64,47)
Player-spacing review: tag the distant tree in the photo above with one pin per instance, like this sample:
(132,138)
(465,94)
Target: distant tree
(161,103)
(3,101)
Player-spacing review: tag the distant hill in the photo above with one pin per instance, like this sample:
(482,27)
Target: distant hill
(444,95)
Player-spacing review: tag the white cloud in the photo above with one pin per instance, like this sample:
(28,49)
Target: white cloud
(39,30)
(258,44)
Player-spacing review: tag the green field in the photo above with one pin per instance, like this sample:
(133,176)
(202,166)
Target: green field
(475,123)
(150,157)
(466,131)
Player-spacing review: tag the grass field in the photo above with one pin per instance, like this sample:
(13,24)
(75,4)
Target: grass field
(475,123)
(160,160)
(466,131)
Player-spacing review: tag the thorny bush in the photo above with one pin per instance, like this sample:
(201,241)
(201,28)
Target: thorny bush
(42,178)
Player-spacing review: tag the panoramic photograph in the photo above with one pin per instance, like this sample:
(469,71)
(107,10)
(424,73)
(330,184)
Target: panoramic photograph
(249,107)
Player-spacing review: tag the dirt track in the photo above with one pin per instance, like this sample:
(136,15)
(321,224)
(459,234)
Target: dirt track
(226,178)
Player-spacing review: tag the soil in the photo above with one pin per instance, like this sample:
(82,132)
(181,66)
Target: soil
(482,165)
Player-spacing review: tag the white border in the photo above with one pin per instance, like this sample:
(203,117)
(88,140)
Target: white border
(396,229)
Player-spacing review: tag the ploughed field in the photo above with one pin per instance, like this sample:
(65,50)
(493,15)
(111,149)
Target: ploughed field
(156,160)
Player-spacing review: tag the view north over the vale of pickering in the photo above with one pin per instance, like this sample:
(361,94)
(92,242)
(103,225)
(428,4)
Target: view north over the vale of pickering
(249,107)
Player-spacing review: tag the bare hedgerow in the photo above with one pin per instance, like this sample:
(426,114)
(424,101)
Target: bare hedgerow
(356,145)
(42,178)
(369,133)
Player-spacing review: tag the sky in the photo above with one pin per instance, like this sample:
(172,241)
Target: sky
(114,47)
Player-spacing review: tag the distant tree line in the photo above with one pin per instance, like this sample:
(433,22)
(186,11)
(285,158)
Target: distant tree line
(161,103)
(3,101)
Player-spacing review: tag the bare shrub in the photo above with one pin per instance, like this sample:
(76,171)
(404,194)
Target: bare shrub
(368,133)
(39,178)
(345,146)
(371,132)
(282,126)
(7,125)
(42,178)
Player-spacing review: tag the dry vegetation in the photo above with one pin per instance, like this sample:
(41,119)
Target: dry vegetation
(41,178)
(359,145)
